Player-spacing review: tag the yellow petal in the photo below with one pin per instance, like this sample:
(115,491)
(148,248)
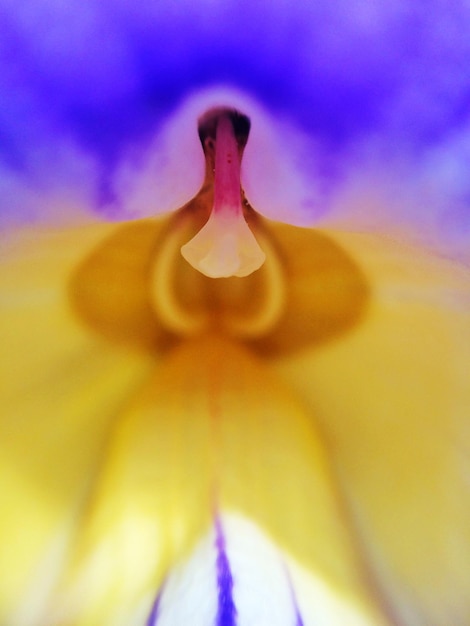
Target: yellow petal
(212,430)
(393,399)
(60,386)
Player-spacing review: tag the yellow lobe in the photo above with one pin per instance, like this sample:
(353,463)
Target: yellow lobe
(224,247)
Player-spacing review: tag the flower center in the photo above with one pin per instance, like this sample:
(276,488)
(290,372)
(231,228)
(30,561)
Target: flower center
(225,246)
(136,287)
(224,236)
(188,302)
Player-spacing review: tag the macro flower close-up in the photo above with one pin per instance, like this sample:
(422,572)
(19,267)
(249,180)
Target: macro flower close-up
(234,313)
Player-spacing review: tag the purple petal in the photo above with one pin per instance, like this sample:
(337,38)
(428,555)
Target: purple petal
(382,91)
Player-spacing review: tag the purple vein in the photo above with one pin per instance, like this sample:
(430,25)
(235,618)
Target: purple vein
(152,619)
(298,617)
(226,611)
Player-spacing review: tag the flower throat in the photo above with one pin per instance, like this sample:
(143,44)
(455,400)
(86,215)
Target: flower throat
(225,246)
(216,265)
(223,239)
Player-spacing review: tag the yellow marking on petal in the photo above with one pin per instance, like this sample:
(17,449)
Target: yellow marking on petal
(393,399)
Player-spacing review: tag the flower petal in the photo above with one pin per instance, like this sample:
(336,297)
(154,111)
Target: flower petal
(393,398)
(59,388)
(211,431)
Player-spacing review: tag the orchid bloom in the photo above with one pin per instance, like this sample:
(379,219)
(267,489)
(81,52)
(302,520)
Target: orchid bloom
(235,314)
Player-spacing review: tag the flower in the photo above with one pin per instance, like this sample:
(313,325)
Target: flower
(288,445)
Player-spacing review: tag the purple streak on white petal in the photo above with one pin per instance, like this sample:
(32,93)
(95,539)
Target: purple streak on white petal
(237,575)
(262,593)
(299,621)
(154,613)
(226,610)
(298,616)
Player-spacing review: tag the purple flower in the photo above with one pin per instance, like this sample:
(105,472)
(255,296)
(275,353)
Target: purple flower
(274,432)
